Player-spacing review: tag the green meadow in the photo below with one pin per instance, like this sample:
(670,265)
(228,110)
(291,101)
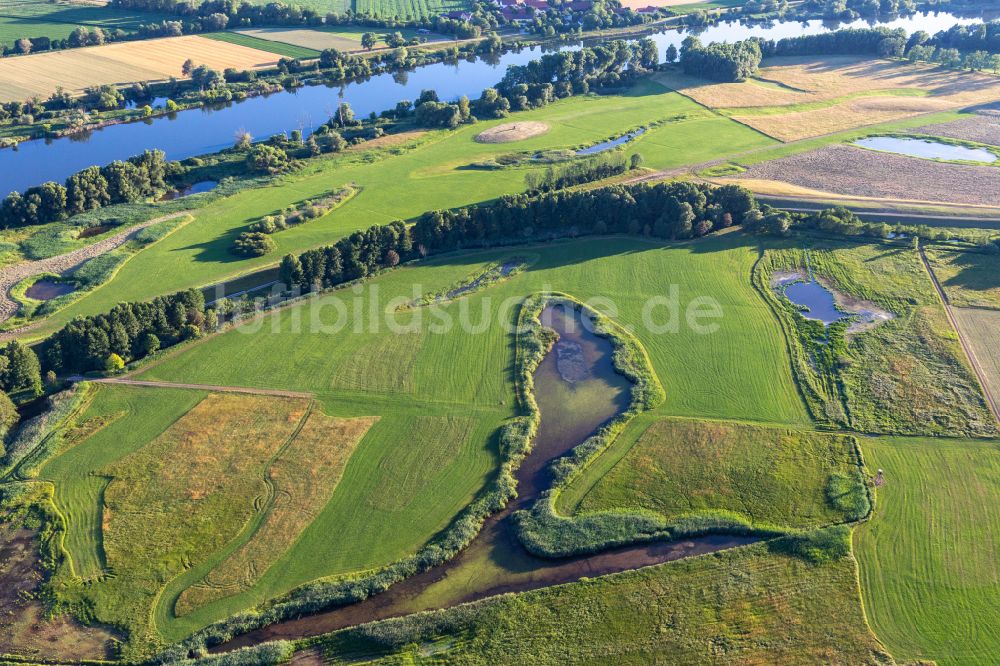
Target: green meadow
(930,558)
(399,182)
(270,46)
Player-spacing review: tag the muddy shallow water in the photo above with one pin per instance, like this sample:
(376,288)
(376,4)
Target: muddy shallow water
(46,290)
(577,390)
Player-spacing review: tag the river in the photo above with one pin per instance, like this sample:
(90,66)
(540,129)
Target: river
(205,130)
(577,390)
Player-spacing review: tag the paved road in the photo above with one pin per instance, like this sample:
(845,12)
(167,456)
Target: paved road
(969,351)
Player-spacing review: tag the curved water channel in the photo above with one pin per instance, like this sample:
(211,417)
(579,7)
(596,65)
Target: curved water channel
(205,130)
(577,390)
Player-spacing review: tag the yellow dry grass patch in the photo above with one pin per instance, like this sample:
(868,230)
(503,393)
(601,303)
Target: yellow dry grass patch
(509,132)
(845,116)
(302,480)
(121,63)
(836,93)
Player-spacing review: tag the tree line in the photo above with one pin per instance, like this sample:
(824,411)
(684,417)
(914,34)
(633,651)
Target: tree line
(577,172)
(130,181)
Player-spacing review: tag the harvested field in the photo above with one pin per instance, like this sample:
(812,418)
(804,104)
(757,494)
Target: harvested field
(980,127)
(979,327)
(119,63)
(798,97)
(854,171)
(303,479)
(510,132)
(25,630)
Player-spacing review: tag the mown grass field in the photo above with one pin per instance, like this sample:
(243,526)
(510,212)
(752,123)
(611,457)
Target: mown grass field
(742,606)
(56,20)
(930,559)
(278,47)
(402,181)
(772,476)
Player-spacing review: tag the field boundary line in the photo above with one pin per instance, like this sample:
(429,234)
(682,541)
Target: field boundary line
(203,387)
(966,346)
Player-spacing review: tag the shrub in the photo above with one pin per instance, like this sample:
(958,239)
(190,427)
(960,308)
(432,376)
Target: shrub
(253,244)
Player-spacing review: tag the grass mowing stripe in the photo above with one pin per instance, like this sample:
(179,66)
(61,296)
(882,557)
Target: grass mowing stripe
(930,558)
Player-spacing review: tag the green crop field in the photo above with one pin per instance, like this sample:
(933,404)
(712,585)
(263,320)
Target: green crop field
(744,606)
(280,48)
(405,9)
(930,559)
(772,476)
(37,18)
(402,182)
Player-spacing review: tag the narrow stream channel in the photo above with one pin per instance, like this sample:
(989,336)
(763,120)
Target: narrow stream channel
(577,390)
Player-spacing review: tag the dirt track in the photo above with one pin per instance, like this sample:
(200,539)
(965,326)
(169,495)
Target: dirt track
(205,387)
(64,263)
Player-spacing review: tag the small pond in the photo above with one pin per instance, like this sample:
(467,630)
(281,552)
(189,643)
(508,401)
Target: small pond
(90,232)
(608,145)
(196,188)
(927,149)
(46,290)
(816,301)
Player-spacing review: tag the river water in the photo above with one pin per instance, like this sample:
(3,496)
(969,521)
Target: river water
(200,131)
(577,390)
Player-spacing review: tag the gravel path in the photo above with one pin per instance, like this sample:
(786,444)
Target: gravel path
(63,264)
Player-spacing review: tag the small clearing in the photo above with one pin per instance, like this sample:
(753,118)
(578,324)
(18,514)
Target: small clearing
(510,132)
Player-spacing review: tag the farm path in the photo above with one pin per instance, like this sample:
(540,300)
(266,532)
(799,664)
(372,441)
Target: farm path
(62,264)
(204,387)
(969,350)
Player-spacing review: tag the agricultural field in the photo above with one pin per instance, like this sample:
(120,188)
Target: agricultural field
(404,9)
(979,327)
(342,38)
(797,98)
(401,180)
(966,277)
(983,126)
(261,43)
(150,60)
(929,565)
(852,171)
(57,19)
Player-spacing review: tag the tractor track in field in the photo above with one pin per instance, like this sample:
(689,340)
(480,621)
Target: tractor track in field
(215,388)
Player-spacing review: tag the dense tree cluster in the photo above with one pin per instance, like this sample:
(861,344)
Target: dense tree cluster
(129,330)
(599,167)
(968,38)
(721,61)
(847,10)
(878,41)
(19,370)
(133,180)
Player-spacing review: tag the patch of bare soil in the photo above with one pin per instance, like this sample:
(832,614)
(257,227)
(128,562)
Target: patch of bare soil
(980,127)
(510,132)
(854,171)
(25,630)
